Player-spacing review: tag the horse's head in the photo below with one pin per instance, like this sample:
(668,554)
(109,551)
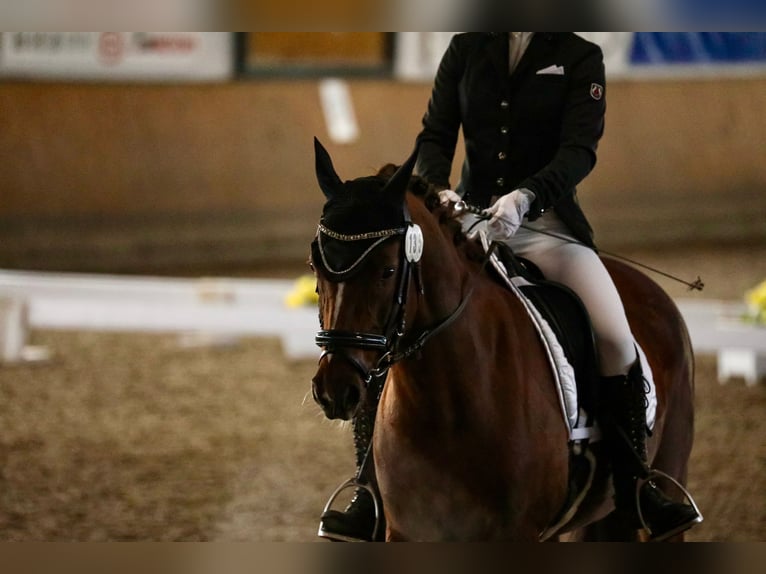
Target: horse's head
(362,256)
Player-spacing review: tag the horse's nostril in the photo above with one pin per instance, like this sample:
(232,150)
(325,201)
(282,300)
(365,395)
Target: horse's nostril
(350,398)
(320,398)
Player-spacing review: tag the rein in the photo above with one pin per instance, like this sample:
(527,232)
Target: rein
(390,357)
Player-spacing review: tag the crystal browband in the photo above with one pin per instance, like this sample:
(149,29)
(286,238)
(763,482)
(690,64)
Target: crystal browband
(360,236)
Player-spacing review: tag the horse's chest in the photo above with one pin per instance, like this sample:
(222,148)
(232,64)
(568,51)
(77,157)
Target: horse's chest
(425,500)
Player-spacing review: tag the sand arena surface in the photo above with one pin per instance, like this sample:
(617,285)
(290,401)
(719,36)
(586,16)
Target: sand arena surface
(132,437)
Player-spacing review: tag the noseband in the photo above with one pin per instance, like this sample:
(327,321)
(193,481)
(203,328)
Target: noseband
(337,341)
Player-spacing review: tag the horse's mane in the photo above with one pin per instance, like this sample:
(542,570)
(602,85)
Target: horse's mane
(420,188)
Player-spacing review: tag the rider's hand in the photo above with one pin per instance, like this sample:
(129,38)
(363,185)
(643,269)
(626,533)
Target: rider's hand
(448,196)
(507,213)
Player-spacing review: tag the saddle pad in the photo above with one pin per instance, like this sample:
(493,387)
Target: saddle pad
(563,373)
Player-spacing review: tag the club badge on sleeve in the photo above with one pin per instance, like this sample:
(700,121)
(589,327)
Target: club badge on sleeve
(596,91)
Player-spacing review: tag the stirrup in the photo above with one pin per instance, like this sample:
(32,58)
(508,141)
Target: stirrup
(654,473)
(351,483)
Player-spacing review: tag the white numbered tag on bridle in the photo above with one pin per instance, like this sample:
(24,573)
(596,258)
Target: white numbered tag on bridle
(413,243)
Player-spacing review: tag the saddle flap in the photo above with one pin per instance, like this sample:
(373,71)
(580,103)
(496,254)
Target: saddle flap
(566,331)
(566,316)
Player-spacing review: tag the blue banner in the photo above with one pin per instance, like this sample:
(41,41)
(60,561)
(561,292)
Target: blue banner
(698,48)
(703,14)
(631,55)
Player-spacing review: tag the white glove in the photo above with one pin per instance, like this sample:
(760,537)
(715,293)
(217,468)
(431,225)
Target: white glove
(507,214)
(448,196)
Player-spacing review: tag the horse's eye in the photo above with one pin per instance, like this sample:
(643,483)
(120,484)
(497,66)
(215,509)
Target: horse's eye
(388,272)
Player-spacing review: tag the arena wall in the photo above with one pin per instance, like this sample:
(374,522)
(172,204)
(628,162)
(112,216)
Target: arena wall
(159,177)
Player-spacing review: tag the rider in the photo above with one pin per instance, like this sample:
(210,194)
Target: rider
(531,106)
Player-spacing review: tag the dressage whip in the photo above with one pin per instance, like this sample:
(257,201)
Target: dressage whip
(696,285)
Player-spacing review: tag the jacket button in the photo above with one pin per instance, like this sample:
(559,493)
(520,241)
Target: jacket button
(504,104)
(502,155)
(500,182)
(504,130)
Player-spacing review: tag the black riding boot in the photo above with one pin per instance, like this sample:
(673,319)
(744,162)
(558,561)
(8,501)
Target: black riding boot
(623,416)
(357,522)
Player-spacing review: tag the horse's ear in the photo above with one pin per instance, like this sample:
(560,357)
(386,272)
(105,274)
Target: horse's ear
(401,179)
(328,180)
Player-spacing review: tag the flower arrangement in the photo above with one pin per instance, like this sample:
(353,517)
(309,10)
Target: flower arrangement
(756,304)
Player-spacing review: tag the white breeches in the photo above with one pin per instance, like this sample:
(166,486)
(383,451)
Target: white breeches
(580,268)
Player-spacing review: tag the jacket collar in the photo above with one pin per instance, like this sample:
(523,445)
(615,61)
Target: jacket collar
(498,52)
(539,49)
(541,45)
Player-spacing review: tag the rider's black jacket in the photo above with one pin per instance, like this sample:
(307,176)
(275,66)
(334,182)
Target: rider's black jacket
(537,128)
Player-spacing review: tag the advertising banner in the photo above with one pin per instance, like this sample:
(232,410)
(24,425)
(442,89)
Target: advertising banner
(132,56)
(626,54)
(681,54)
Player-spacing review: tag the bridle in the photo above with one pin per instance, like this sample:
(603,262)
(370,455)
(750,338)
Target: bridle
(390,343)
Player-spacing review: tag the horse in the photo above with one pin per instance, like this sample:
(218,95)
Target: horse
(469,442)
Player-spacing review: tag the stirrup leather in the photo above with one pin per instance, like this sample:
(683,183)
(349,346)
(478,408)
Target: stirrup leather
(355,483)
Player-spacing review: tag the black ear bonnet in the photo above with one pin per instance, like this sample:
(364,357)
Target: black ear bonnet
(358,215)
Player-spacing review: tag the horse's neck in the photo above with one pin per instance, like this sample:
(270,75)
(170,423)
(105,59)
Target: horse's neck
(450,278)
(472,373)
(447,281)
(451,291)
(489,314)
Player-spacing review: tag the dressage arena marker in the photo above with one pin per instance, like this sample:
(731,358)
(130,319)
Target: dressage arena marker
(13,329)
(217,311)
(338,110)
(717,327)
(14,332)
(745,363)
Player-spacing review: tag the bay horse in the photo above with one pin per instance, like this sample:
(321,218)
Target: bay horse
(469,442)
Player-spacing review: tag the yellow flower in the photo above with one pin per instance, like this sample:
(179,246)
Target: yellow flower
(303,292)
(756,302)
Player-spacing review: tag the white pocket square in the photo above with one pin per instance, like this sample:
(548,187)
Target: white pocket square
(554,70)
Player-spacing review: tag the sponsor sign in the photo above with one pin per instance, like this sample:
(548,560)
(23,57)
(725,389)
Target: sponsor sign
(151,56)
(681,54)
(626,54)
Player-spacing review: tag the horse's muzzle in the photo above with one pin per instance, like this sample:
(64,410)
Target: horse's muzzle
(339,396)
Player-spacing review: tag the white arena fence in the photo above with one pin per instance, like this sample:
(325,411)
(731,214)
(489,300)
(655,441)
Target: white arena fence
(211,310)
(217,307)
